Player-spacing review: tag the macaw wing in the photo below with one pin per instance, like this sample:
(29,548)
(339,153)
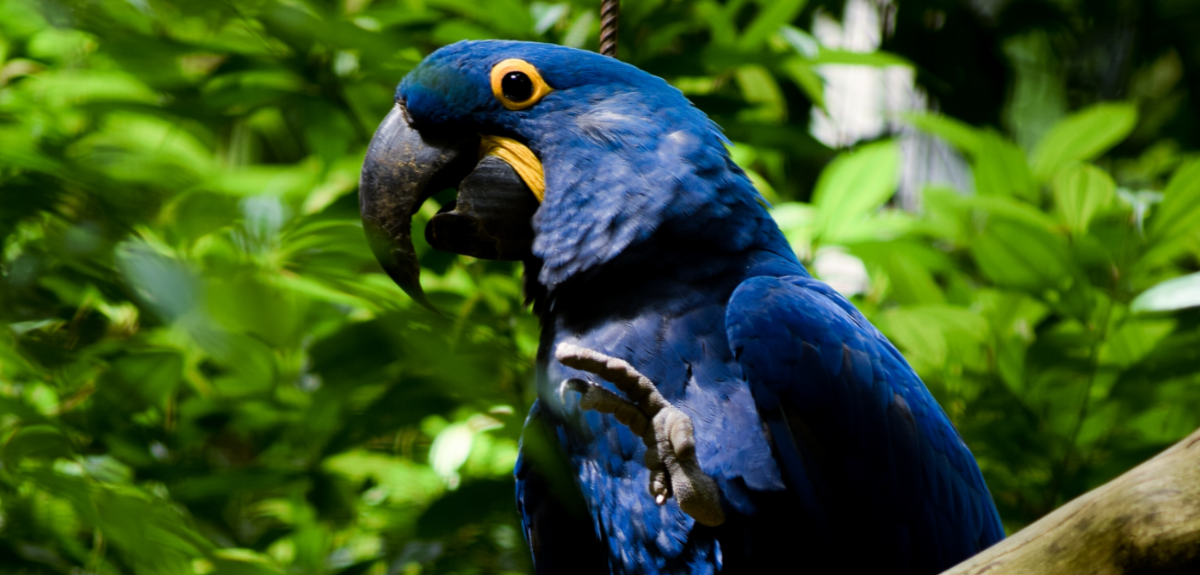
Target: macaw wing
(558,529)
(863,444)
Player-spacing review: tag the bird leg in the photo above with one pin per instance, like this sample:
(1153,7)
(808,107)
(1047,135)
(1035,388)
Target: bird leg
(667,432)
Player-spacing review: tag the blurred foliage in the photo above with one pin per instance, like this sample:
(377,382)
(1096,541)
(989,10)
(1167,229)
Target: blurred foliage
(202,369)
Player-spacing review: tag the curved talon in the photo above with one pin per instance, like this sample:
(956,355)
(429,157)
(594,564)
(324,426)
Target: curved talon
(667,432)
(572,384)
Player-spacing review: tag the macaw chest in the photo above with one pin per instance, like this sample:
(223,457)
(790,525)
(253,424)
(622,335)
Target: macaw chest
(687,358)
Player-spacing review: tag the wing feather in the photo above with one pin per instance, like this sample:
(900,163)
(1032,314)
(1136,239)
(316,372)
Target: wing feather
(864,445)
(560,534)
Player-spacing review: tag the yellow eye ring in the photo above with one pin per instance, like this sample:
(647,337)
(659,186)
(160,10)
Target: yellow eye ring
(517,84)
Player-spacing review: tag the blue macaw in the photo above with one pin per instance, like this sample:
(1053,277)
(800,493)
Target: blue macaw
(713,407)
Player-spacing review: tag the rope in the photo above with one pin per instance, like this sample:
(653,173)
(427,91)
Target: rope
(609,10)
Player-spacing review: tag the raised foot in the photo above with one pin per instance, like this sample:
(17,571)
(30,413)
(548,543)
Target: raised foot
(666,431)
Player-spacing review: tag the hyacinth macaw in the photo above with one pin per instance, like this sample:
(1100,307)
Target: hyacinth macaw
(703,404)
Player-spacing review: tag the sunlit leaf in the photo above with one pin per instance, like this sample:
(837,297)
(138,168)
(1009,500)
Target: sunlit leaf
(450,450)
(1000,169)
(843,271)
(577,34)
(73,87)
(1083,136)
(759,88)
(241,562)
(547,15)
(1010,209)
(1079,192)
(878,59)
(958,134)
(853,186)
(929,333)
(1178,293)
(1015,255)
(1134,340)
(797,221)
(806,78)
(1179,212)
(800,41)
(773,14)
(909,268)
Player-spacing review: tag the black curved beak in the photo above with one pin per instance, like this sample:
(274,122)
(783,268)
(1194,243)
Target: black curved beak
(489,219)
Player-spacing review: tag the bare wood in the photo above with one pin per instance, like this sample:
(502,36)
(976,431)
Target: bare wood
(1146,521)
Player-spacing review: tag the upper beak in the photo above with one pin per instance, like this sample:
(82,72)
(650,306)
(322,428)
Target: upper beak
(490,217)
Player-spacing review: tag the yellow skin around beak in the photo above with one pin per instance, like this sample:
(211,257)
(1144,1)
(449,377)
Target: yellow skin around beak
(521,158)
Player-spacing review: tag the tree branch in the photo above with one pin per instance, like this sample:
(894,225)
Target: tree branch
(1146,521)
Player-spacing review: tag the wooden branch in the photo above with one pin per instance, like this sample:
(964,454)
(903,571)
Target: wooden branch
(1146,521)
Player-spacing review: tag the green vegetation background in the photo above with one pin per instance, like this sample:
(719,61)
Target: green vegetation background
(202,369)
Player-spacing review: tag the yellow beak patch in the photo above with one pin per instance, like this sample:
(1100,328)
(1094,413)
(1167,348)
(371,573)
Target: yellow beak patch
(521,158)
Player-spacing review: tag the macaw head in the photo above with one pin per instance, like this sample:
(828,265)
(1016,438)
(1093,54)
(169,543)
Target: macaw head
(557,154)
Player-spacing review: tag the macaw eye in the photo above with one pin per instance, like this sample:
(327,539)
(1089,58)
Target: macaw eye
(517,84)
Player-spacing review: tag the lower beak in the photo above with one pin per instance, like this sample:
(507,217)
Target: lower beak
(490,217)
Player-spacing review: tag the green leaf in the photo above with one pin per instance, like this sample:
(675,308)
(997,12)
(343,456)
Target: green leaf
(1000,169)
(249,363)
(1015,255)
(36,442)
(148,377)
(801,72)
(934,336)
(577,34)
(504,18)
(449,451)
(853,186)
(965,137)
(720,24)
(908,267)
(800,41)
(1134,340)
(1083,136)
(773,15)
(19,149)
(877,59)
(759,87)
(150,533)
(241,562)
(547,15)
(457,30)
(1179,213)
(1079,192)
(1013,210)
(796,221)
(72,87)
(1178,293)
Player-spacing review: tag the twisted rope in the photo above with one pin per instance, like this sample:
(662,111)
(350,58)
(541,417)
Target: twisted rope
(609,10)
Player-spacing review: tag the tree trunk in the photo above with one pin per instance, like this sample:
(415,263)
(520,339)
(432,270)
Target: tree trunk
(1146,521)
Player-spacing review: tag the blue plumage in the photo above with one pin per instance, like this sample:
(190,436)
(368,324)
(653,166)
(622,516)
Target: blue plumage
(653,247)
